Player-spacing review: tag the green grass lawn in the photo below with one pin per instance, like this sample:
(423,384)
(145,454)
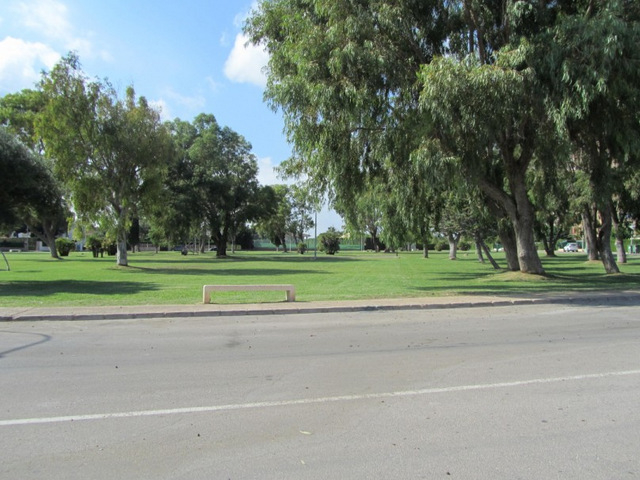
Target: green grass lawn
(170,278)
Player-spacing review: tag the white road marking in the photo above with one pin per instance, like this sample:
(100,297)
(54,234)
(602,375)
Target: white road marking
(309,401)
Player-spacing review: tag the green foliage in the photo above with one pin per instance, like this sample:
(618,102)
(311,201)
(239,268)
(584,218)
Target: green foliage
(18,112)
(95,244)
(16,183)
(212,184)
(29,193)
(244,238)
(302,248)
(65,246)
(330,241)
(441,245)
(275,224)
(110,153)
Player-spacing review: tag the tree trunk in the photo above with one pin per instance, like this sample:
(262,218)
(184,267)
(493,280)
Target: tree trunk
(505,227)
(549,238)
(494,264)
(6,261)
(528,258)
(523,217)
(47,235)
(479,252)
(221,250)
(425,243)
(121,253)
(221,244)
(620,252)
(453,245)
(375,240)
(603,242)
(508,240)
(50,240)
(516,203)
(589,228)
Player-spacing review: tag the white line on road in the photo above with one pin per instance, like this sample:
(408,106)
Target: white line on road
(309,401)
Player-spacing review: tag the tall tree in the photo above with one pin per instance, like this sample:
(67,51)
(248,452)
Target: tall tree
(275,225)
(344,74)
(589,67)
(29,194)
(110,153)
(18,112)
(224,179)
(364,215)
(302,203)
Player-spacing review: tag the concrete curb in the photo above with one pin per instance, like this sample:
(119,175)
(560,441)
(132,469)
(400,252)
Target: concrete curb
(193,311)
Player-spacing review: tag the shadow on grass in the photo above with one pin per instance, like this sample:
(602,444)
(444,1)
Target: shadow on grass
(508,283)
(44,289)
(266,258)
(241,272)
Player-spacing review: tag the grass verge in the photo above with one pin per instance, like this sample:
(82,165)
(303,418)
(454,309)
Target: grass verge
(36,280)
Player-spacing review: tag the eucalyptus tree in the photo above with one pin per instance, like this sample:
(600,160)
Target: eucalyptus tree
(46,212)
(364,214)
(363,85)
(275,224)
(412,207)
(590,68)
(18,112)
(111,153)
(551,189)
(224,179)
(302,204)
(344,74)
(175,216)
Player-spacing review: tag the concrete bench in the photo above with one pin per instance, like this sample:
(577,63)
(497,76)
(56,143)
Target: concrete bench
(207,289)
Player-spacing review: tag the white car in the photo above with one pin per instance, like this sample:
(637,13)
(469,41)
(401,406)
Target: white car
(571,247)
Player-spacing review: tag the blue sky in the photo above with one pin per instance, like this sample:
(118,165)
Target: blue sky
(186,57)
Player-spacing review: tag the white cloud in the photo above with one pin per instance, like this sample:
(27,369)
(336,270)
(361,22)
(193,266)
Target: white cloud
(21,63)
(266,172)
(213,85)
(246,62)
(50,18)
(225,41)
(163,108)
(193,103)
(46,16)
(241,18)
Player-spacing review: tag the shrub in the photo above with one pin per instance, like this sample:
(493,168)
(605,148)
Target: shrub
(441,245)
(302,247)
(64,246)
(94,243)
(330,241)
(464,246)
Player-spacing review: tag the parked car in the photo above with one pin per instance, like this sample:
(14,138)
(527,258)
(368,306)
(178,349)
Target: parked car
(571,247)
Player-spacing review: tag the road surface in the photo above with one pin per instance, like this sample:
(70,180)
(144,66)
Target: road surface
(543,391)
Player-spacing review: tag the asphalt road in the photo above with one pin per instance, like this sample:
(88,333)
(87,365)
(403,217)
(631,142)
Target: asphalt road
(543,391)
